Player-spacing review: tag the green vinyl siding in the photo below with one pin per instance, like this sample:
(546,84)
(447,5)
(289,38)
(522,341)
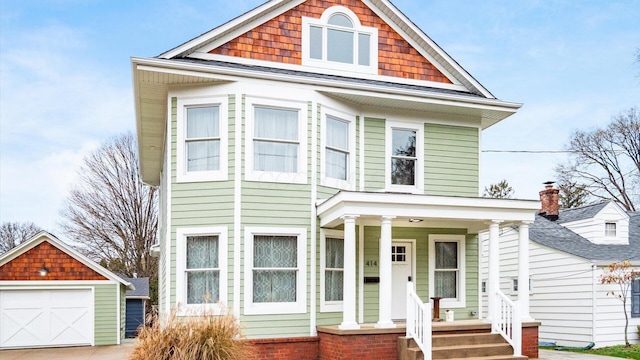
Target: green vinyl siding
(374,154)
(201,204)
(105,314)
(451,160)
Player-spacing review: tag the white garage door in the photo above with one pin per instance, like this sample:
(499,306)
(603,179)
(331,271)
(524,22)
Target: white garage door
(46,317)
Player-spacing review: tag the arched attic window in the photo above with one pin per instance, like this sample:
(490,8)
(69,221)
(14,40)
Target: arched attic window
(338,41)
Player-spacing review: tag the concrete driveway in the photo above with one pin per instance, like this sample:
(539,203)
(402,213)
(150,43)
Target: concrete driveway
(116,352)
(111,352)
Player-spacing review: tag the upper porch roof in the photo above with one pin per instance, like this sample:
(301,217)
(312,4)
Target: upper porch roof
(471,213)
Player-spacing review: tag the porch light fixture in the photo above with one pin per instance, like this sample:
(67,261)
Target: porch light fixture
(415,220)
(44,271)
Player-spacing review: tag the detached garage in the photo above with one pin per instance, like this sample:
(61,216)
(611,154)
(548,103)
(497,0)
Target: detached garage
(51,295)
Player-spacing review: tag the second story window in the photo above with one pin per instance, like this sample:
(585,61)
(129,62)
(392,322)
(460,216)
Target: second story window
(203,138)
(275,140)
(337,150)
(403,157)
(338,41)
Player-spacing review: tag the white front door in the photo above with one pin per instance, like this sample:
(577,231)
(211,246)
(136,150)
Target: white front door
(46,317)
(402,269)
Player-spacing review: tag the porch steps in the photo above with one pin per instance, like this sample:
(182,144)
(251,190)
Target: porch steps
(466,346)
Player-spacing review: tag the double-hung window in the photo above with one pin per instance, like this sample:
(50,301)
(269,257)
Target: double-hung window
(610,230)
(332,273)
(201,269)
(276,142)
(404,168)
(338,41)
(338,142)
(202,139)
(275,280)
(337,149)
(446,269)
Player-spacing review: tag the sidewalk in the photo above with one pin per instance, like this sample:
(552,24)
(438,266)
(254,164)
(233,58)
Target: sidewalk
(568,355)
(111,352)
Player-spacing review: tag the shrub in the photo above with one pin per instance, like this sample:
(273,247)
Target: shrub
(198,337)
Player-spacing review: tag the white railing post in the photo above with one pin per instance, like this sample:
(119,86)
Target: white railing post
(419,321)
(410,310)
(517,328)
(507,321)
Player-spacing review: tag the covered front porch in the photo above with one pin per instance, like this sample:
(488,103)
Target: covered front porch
(434,239)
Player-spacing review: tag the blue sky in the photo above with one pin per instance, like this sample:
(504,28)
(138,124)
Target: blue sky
(65,79)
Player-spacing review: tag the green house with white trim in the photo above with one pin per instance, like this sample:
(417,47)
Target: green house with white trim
(312,157)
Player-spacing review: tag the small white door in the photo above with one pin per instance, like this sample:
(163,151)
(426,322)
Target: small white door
(46,317)
(402,269)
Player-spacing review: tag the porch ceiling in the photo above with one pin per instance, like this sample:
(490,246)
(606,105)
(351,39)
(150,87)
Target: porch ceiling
(471,213)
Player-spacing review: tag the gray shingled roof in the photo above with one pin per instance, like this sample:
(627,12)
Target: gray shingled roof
(141,285)
(581,213)
(552,234)
(313,75)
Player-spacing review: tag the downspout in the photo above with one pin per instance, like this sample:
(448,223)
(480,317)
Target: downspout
(593,303)
(314,219)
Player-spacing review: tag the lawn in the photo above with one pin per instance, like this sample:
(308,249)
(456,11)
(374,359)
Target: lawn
(619,351)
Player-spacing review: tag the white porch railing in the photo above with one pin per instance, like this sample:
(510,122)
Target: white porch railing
(507,321)
(419,321)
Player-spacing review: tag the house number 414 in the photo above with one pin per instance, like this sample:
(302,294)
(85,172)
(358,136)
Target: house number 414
(371,263)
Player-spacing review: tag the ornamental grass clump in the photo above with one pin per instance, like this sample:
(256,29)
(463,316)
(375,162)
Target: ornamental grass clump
(197,337)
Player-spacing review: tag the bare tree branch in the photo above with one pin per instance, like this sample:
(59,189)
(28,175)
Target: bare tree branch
(13,234)
(607,161)
(111,213)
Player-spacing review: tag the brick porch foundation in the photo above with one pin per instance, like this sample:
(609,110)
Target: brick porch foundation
(298,348)
(368,342)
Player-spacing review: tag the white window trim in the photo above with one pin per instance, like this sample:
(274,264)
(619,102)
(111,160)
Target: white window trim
(307,22)
(327,306)
(297,307)
(418,188)
(460,302)
(350,183)
(183,309)
(301,176)
(182,175)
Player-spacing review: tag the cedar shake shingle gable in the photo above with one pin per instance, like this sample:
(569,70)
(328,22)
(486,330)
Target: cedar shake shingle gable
(61,266)
(280,40)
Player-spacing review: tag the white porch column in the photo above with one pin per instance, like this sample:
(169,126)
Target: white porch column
(349,281)
(523,270)
(385,290)
(494,265)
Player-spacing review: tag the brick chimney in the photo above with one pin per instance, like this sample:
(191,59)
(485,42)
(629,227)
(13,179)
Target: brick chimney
(549,198)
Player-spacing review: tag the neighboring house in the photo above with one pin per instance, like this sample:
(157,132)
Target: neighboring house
(137,305)
(305,147)
(569,251)
(51,295)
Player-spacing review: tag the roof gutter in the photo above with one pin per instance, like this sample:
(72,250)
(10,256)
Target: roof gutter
(168,66)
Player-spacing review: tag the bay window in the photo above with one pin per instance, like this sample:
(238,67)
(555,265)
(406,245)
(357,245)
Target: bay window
(276,149)
(275,263)
(202,139)
(201,269)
